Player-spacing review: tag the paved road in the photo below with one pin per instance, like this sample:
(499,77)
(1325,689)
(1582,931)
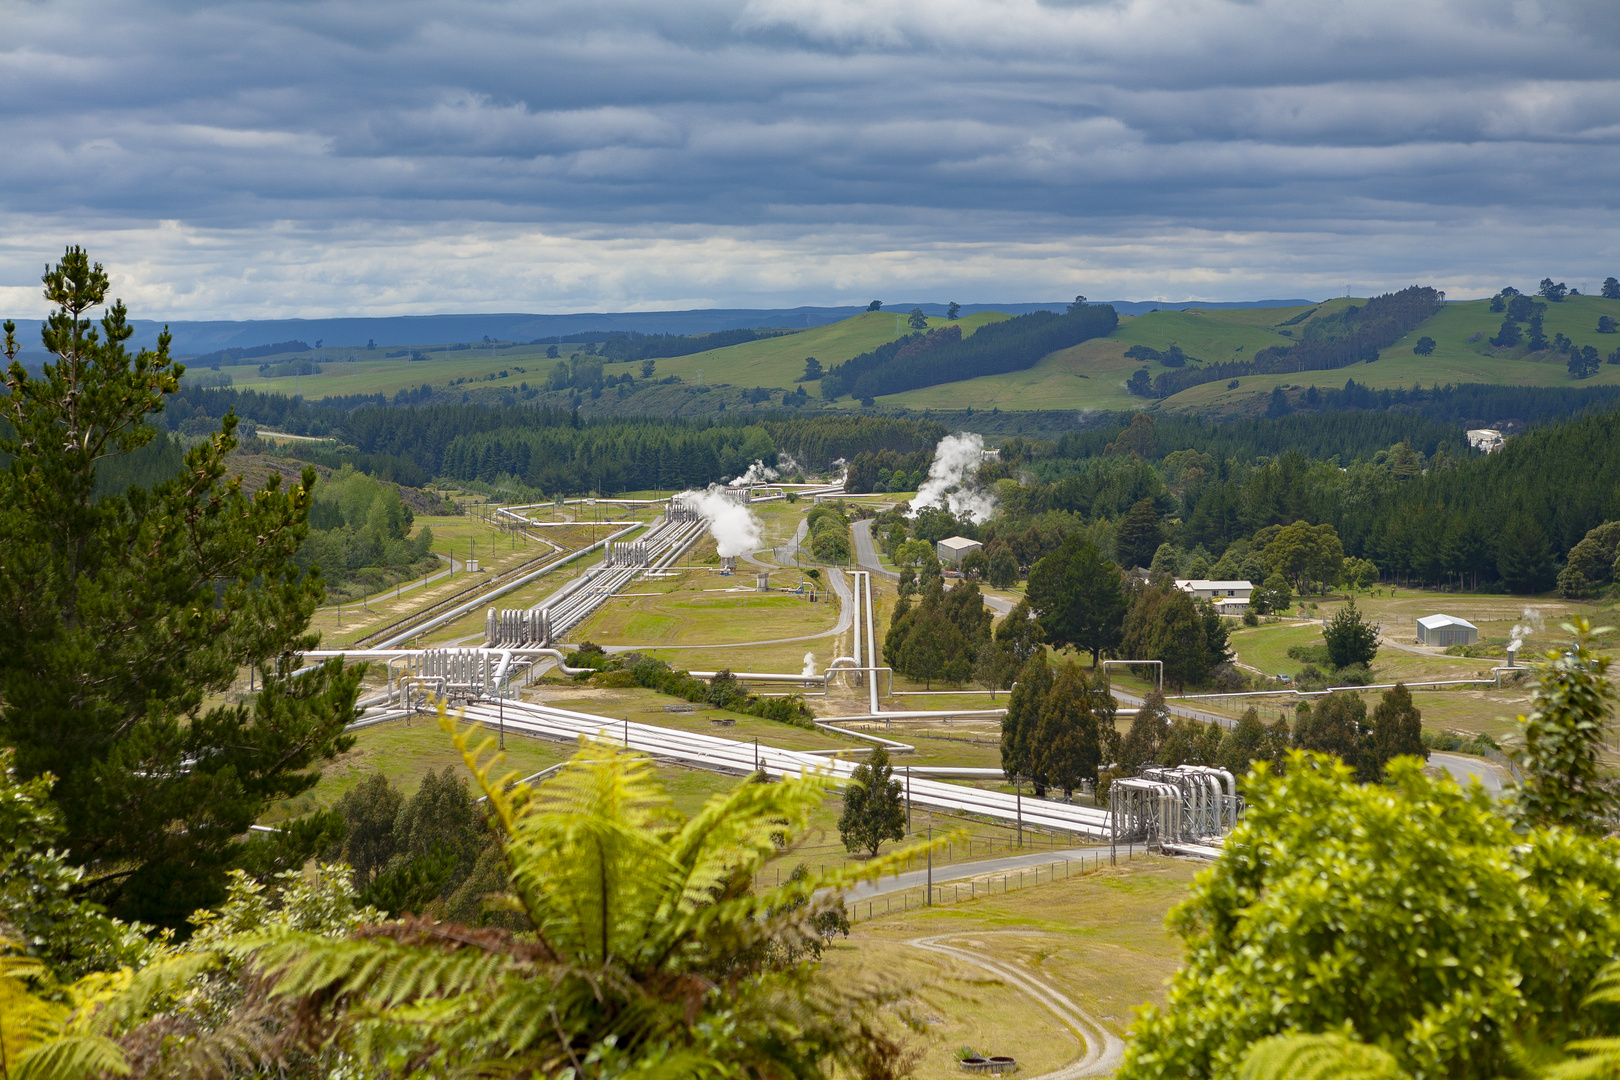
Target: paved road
(1465,769)
(866,552)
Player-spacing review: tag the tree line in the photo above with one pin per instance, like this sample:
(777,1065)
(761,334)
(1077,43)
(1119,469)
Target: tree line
(622,347)
(1418,514)
(1328,342)
(938,356)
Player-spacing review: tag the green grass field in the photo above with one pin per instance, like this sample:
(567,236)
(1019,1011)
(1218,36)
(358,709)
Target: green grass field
(371,372)
(1092,375)
(771,362)
(1066,934)
(776,362)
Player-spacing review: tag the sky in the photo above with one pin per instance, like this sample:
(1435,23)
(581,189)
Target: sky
(258,159)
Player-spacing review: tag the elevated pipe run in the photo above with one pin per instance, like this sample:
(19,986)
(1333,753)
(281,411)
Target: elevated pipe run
(707,751)
(1431,683)
(472,605)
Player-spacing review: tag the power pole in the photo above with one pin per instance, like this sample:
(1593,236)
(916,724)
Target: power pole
(1018,788)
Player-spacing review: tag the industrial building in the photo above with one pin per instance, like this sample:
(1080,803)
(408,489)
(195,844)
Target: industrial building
(1444,631)
(953,549)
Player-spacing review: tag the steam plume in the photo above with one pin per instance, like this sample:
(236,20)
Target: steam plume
(809,664)
(732,524)
(953,480)
(758,473)
(1531,623)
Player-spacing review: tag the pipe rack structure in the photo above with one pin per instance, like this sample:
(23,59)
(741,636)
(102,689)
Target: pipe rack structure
(666,540)
(1185,810)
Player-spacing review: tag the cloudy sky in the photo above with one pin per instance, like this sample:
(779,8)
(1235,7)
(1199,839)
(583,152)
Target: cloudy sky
(379,157)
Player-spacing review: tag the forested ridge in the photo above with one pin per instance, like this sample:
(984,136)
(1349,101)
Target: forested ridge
(554,450)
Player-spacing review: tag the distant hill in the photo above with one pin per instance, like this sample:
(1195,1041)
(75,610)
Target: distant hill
(1094,375)
(193,338)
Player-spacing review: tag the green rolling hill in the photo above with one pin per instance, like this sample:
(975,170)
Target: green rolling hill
(1093,375)
(776,362)
(1090,376)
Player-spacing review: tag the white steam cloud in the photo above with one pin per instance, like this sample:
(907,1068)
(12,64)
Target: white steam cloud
(809,664)
(732,524)
(1531,623)
(952,482)
(758,473)
(787,463)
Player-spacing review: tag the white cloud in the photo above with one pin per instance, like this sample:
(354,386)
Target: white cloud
(315,158)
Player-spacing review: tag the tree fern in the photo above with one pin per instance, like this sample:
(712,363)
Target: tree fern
(1329,1056)
(1599,1058)
(650,953)
(51,1032)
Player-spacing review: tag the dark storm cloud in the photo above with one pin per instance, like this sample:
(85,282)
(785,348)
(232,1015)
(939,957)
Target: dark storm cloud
(1195,147)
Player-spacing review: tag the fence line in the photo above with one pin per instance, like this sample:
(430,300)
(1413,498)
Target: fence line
(982,886)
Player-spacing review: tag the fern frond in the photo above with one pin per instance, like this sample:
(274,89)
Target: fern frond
(379,970)
(1601,1061)
(71,1057)
(736,831)
(505,798)
(137,993)
(1329,1056)
(1606,987)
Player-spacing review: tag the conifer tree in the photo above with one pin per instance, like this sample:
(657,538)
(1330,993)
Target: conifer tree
(1244,743)
(1067,742)
(121,615)
(1397,727)
(1024,708)
(1350,639)
(1079,597)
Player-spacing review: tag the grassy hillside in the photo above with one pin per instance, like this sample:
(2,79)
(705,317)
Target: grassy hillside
(776,362)
(1093,375)
(772,362)
(1462,354)
(370,373)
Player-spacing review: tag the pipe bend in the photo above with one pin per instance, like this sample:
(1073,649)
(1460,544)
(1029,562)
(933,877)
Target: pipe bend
(562,661)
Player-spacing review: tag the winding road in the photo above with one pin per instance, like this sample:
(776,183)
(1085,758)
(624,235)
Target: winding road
(1104,1051)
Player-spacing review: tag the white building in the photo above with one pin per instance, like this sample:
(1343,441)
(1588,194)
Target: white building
(1486,439)
(1229,597)
(953,549)
(1446,630)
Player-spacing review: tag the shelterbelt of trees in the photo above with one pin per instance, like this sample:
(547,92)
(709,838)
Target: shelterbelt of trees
(943,355)
(1334,341)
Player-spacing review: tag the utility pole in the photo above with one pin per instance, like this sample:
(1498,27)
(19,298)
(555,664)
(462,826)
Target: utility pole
(930,866)
(908,798)
(1018,788)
